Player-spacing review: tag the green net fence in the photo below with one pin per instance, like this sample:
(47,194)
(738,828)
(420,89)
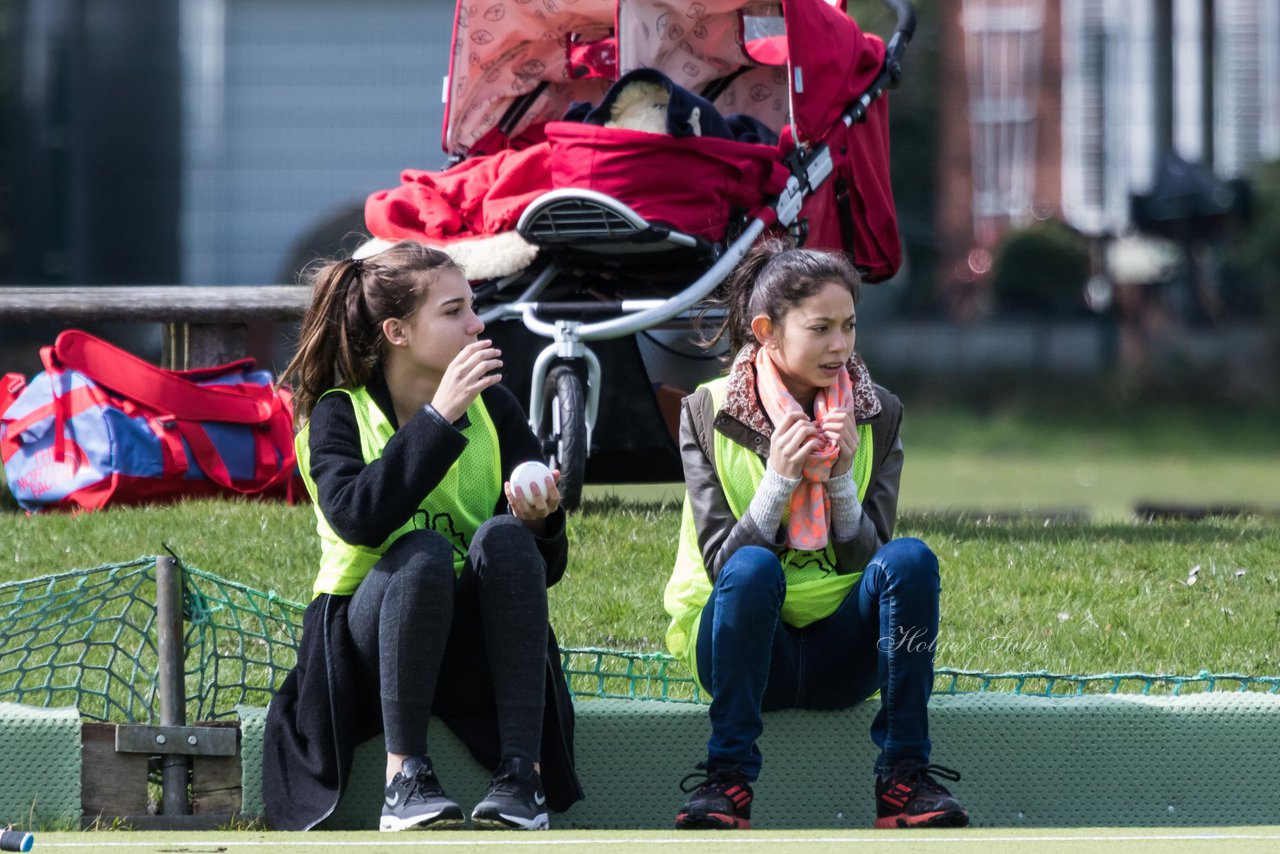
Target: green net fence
(87,639)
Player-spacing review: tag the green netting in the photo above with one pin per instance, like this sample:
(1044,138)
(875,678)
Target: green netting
(615,675)
(86,638)
(1045,684)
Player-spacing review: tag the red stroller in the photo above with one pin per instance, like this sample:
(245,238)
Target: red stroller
(613,163)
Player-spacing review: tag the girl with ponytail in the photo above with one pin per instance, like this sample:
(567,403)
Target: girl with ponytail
(431,597)
(789,590)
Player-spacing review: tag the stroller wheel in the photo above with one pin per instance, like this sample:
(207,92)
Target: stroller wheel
(563,432)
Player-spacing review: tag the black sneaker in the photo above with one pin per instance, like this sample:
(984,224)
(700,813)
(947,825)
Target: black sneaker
(515,799)
(414,799)
(720,801)
(912,798)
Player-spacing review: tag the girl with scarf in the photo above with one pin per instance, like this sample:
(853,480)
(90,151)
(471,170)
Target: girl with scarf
(789,590)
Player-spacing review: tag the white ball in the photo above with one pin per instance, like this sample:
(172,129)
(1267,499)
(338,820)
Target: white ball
(527,474)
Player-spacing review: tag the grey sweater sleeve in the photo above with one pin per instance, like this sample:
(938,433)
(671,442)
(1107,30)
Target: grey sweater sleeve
(846,509)
(771,499)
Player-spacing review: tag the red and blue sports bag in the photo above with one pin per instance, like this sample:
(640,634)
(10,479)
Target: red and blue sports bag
(100,426)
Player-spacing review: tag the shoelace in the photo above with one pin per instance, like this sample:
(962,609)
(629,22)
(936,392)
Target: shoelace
(929,771)
(705,777)
(923,778)
(425,784)
(505,782)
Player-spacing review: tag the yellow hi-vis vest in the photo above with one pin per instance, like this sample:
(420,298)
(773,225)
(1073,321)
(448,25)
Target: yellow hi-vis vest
(458,505)
(814,589)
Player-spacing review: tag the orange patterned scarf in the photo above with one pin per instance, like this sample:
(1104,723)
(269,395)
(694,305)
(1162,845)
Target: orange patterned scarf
(810,505)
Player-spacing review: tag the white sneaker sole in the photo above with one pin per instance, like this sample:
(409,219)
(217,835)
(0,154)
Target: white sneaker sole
(429,821)
(502,821)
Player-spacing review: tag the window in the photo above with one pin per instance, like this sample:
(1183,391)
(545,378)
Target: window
(1002,64)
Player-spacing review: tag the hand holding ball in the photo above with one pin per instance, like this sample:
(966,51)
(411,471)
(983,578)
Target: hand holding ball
(527,474)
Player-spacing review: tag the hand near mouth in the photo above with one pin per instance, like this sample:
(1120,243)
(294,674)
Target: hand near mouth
(840,427)
(794,439)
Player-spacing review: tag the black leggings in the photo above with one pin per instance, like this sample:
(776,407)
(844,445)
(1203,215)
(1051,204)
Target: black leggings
(436,642)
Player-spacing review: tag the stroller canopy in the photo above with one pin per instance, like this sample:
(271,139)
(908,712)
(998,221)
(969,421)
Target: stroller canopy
(528,62)
(549,53)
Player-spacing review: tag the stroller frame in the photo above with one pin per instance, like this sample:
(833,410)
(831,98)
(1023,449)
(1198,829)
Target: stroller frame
(582,222)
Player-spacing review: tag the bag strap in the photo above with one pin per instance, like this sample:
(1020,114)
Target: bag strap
(208,373)
(155,387)
(206,456)
(11,385)
(61,403)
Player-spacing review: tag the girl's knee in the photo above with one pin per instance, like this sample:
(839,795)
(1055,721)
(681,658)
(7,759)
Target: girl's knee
(420,557)
(910,561)
(502,531)
(755,568)
(504,548)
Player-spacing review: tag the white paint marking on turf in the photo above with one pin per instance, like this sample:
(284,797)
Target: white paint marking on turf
(319,839)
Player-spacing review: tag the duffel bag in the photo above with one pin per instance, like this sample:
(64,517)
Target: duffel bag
(100,426)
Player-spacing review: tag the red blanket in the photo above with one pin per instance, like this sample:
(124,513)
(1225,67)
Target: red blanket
(481,196)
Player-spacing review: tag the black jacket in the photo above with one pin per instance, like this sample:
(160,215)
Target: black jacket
(326,706)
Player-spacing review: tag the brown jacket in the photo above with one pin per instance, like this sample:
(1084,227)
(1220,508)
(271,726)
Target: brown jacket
(743,420)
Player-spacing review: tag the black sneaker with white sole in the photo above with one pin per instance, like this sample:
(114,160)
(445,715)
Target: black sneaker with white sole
(515,800)
(414,800)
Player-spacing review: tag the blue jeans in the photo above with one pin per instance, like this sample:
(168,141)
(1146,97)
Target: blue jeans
(881,637)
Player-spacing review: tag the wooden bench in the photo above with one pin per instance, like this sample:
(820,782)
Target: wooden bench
(204,325)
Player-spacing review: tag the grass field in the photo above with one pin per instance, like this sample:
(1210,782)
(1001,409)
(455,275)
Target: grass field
(1069,597)
(1052,841)
(1085,457)
(1107,595)
(1066,457)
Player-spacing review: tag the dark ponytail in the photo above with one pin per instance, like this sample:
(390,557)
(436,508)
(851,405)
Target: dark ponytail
(340,342)
(771,280)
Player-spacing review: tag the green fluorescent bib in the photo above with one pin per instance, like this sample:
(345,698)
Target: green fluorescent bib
(814,589)
(458,505)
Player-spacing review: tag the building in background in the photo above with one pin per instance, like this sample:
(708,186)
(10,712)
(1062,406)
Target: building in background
(1069,109)
(202,141)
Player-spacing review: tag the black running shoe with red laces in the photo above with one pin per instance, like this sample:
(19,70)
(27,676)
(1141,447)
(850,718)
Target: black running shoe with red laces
(720,801)
(912,798)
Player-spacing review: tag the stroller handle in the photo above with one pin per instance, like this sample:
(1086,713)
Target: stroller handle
(891,71)
(906,27)
(903,32)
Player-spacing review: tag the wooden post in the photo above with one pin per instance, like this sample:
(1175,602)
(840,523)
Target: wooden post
(173,694)
(113,781)
(200,345)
